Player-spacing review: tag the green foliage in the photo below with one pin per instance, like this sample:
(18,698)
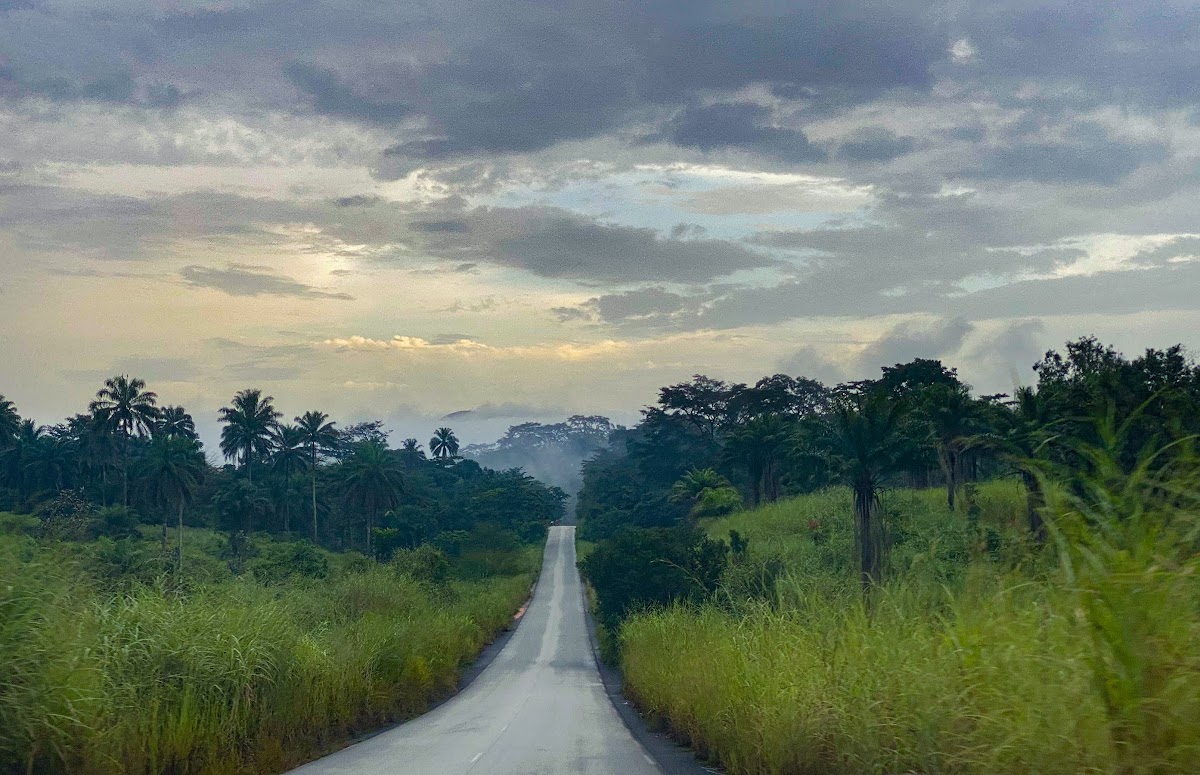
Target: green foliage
(977,655)
(643,567)
(225,676)
(716,502)
(287,562)
(425,563)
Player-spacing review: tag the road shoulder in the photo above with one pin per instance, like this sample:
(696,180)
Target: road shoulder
(671,757)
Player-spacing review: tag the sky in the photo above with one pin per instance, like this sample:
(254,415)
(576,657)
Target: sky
(527,209)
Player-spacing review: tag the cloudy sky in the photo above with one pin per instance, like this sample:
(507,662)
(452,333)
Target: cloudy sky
(539,207)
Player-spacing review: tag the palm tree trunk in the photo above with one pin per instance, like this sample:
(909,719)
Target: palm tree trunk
(125,472)
(869,549)
(1033,505)
(287,500)
(180,566)
(314,491)
(949,463)
(249,465)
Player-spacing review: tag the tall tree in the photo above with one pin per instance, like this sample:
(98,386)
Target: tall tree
(172,470)
(319,435)
(48,464)
(175,422)
(759,446)
(10,423)
(288,454)
(372,482)
(865,439)
(444,444)
(248,424)
(412,450)
(97,446)
(130,408)
(953,418)
(1021,438)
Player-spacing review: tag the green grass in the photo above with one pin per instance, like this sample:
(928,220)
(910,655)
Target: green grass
(979,656)
(232,675)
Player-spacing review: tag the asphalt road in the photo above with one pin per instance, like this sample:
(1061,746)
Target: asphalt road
(539,708)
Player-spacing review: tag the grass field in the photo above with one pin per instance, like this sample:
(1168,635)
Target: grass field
(105,671)
(980,655)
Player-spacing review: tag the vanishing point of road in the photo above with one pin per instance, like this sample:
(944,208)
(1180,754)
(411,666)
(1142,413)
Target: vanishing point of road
(539,708)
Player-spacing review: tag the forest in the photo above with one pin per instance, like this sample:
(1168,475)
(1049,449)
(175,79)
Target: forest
(898,575)
(159,614)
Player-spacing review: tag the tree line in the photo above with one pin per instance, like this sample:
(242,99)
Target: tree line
(707,447)
(129,459)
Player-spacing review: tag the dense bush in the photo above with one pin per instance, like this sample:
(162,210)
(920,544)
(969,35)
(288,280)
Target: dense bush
(641,567)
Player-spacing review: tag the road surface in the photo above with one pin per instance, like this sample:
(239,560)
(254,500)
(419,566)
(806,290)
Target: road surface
(538,709)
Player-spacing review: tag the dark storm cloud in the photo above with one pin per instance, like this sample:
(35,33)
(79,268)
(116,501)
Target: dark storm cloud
(334,98)
(739,125)
(910,340)
(621,308)
(1085,156)
(551,242)
(482,77)
(246,280)
(875,144)
(1140,53)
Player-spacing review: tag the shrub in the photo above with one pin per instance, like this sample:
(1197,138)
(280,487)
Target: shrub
(640,567)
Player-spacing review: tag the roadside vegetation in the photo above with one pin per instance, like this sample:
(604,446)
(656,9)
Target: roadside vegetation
(944,583)
(159,614)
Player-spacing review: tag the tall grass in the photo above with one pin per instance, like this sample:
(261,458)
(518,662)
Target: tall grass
(233,677)
(980,656)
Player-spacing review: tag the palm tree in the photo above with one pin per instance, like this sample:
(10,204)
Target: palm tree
(130,408)
(48,463)
(953,421)
(866,442)
(412,449)
(444,444)
(97,447)
(173,469)
(23,449)
(10,423)
(319,434)
(759,446)
(692,485)
(248,425)
(1025,432)
(373,482)
(288,454)
(175,422)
